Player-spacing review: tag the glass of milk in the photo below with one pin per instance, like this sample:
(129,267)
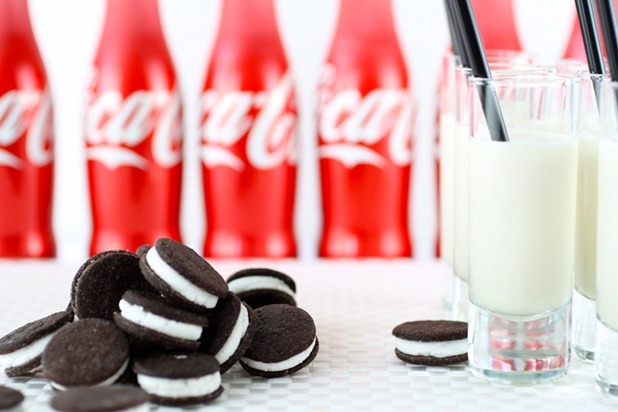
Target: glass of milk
(606,348)
(521,229)
(461,137)
(452,92)
(460,133)
(584,304)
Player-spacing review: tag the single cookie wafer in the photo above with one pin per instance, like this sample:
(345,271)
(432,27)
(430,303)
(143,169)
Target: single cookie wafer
(102,280)
(101,399)
(21,350)
(10,398)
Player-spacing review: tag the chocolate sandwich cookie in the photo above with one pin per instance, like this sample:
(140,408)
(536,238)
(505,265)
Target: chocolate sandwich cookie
(183,276)
(232,325)
(21,350)
(91,352)
(259,287)
(432,342)
(285,341)
(10,399)
(102,280)
(149,318)
(179,379)
(114,398)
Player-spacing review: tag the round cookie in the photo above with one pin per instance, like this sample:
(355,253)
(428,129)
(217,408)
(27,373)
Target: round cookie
(179,379)
(285,341)
(102,399)
(432,342)
(91,352)
(21,350)
(259,287)
(183,276)
(232,325)
(149,318)
(10,398)
(102,280)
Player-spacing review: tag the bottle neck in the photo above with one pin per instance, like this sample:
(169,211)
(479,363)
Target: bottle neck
(132,18)
(249,21)
(14,19)
(366,19)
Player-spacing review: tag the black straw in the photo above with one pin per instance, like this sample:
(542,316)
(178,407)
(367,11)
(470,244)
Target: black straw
(459,48)
(608,26)
(588,25)
(594,55)
(478,63)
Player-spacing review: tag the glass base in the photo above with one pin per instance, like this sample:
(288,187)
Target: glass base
(606,361)
(519,349)
(584,325)
(608,389)
(459,308)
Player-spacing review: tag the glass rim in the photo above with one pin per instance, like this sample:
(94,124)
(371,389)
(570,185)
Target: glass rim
(534,79)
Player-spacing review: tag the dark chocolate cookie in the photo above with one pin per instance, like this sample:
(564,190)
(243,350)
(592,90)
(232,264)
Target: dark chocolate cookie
(91,352)
(199,373)
(102,280)
(100,399)
(432,342)
(149,318)
(21,350)
(284,342)
(183,276)
(10,398)
(230,332)
(259,287)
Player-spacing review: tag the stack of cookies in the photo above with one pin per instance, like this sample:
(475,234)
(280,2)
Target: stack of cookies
(166,320)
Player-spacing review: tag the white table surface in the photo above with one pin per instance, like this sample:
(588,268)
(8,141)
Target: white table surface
(355,305)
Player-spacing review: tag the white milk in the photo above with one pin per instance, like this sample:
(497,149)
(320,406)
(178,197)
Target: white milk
(447,188)
(462,137)
(607,234)
(522,222)
(586,221)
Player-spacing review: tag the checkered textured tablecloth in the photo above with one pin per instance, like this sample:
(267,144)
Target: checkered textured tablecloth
(355,305)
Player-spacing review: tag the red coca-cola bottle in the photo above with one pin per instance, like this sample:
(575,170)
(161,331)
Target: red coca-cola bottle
(26,139)
(247,134)
(365,136)
(497,24)
(133,132)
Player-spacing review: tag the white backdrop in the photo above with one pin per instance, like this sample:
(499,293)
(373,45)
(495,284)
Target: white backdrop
(67,32)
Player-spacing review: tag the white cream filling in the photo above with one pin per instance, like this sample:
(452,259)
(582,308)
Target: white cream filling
(179,283)
(25,354)
(435,349)
(106,382)
(139,316)
(180,388)
(232,342)
(283,365)
(248,283)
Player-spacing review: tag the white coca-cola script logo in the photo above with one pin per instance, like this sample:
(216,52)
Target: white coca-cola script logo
(227,118)
(28,114)
(350,123)
(116,125)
